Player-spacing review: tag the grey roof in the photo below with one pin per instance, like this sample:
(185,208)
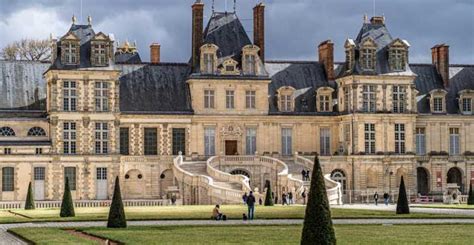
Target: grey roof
(461,77)
(155,88)
(226,31)
(128,58)
(22,86)
(305,77)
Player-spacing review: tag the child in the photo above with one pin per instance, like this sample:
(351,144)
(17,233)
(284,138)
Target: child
(244,217)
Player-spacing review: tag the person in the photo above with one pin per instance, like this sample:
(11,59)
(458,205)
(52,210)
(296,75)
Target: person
(386,198)
(244,217)
(304,196)
(290,198)
(376,198)
(283,199)
(173,199)
(276,197)
(244,198)
(251,205)
(260,201)
(307,175)
(216,213)
(303,174)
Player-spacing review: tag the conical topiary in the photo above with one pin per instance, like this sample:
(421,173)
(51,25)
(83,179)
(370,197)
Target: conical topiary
(402,203)
(269,196)
(30,202)
(67,206)
(318,228)
(117,217)
(470,199)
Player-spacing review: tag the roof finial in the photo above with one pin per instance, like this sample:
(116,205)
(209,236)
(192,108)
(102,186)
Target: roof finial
(235,2)
(89,20)
(213,3)
(74,19)
(366,19)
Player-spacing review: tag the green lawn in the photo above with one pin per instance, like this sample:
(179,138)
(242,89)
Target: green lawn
(451,206)
(198,213)
(346,234)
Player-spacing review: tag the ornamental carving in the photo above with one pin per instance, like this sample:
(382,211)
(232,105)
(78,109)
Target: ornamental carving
(231,130)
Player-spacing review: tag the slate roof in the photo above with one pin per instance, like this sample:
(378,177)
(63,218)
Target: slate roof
(127,58)
(155,88)
(305,77)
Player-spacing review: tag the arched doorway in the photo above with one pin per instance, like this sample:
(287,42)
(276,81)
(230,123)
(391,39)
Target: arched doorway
(422,181)
(455,177)
(339,176)
(134,184)
(240,172)
(166,181)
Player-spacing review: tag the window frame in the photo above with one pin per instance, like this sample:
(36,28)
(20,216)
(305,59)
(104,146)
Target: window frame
(209,99)
(69,138)
(400,138)
(250,99)
(70,96)
(101,138)
(420,141)
(209,141)
(101,96)
(369,98)
(230,99)
(325,141)
(399,99)
(124,141)
(68,172)
(287,141)
(369,138)
(454,142)
(150,141)
(8,179)
(250,141)
(178,141)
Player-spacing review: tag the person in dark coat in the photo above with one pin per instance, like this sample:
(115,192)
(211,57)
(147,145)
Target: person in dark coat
(303,174)
(386,197)
(303,195)
(283,199)
(251,205)
(290,198)
(376,198)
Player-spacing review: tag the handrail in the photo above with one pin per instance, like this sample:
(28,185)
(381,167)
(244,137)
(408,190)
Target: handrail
(223,176)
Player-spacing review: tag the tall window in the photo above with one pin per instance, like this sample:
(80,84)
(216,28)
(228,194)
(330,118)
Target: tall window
(251,141)
(209,63)
(420,141)
(101,138)
(70,174)
(8,175)
(209,141)
(250,99)
(346,99)
(179,141)
(368,98)
(39,173)
(70,53)
(397,59)
(399,99)
(437,104)
(467,105)
(399,138)
(124,141)
(369,137)
(209,99)
(325,141)
(151,141)
(70,96)
(100,54)
(324,103)
(454,147)
(69,138)
(286,141)
(368,59)
(229,99)
(286,102)
(101,96)
(251,64)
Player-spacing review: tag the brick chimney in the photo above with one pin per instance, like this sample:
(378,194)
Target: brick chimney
(326,57)
(155,53)
(259,29)
(198,18)
(440,57)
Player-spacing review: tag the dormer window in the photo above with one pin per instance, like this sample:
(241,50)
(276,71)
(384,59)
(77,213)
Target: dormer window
(250,64)
(229,67)
(250,60)
(99,54)
(350,47)
(286,100)
(367,60)
(324,99)
(438,104)
(209,59)
(465,101)
(71,52)
(397,54)
(467,105)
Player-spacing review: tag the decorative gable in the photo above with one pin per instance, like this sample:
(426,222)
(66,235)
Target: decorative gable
(229,67)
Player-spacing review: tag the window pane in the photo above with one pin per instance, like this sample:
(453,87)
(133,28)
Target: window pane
(124,141)
(8,179)
(151,141)
(179,141)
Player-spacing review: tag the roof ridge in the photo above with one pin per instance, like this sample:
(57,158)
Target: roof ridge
(292,61)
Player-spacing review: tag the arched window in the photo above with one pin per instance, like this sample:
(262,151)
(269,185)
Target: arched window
(339,176)
(7,131)
(36,131)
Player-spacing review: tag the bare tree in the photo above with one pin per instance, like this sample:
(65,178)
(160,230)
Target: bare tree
(27,49)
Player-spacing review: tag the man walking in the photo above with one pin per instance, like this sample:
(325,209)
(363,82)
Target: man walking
(244,198)
(303,174)
(251,205)
(290,198)
(376,198)
(386,197)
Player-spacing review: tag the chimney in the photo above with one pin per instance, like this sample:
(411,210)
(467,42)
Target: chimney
(198,18)
(377,20)
(259,29)
(155,53)
(440,57)
(326,57)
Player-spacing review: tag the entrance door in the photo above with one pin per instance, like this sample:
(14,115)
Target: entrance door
(231,147)
(39,173)
(455,177)
(422,181)
(101,183)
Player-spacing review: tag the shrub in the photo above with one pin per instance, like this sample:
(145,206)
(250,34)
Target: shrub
(117,217)
(67,206)
(470,199)
(402,203)
(318,228)
(268,196)
(30,202)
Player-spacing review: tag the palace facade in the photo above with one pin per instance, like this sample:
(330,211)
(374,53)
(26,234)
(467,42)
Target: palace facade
(97,111)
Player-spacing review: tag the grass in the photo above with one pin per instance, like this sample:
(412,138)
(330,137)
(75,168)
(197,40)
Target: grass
(346,234)
(450,206)
(199,213)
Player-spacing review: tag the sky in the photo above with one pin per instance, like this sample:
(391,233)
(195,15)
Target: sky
(294,28)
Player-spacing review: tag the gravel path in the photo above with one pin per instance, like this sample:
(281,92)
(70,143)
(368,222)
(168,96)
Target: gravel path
(7,238)
(381,207)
